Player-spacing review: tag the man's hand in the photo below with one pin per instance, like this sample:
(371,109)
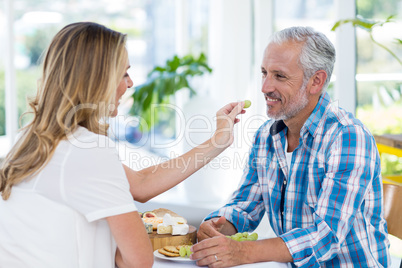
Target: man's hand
(220,251)
(215,227)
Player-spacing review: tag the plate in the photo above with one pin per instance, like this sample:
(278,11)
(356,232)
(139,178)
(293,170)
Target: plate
(181,259)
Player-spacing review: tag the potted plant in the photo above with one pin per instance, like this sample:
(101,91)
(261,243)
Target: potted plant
(163,82)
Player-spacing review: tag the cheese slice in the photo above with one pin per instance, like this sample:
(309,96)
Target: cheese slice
(168,219)
(164,228)
(180,229)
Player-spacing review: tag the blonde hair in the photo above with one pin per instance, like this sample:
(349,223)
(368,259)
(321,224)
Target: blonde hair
(81,70)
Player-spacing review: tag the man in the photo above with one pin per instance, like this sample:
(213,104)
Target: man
(313,168)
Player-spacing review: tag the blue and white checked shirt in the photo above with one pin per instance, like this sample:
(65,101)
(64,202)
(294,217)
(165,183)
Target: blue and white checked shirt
(331,194)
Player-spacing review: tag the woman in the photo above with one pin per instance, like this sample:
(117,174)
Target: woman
(66,198)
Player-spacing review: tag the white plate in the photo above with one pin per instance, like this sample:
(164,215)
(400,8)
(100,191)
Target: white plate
(161,256)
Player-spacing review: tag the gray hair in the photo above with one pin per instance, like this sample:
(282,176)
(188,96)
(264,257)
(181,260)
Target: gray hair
(318,53)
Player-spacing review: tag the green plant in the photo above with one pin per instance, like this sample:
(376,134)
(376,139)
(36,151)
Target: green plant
(376,8)
(163,82)
(369,25)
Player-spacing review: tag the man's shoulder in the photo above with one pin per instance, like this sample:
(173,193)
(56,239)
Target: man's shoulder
(337,120)
(329,117)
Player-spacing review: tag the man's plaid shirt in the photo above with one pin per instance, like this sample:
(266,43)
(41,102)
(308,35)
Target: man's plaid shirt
(327,206)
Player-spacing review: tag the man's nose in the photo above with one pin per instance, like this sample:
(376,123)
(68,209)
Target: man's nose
(267,85)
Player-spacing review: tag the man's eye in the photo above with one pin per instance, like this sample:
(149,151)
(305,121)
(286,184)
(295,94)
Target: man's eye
(126,75)
(280,76)
(264,73)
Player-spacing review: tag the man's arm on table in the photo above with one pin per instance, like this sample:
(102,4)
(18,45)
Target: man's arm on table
(213,232)
(348,173)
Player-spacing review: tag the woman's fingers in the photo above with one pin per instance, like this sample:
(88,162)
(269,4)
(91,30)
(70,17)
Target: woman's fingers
(228,108)
(233,106)
(236,110)
(226,119)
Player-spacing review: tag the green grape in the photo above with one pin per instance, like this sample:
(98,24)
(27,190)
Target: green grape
(188,251)
(247,103)
(238,235)
(253,236)
(245,236)
(183,251)
(235,238)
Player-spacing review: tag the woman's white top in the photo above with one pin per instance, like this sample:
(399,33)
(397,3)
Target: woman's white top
(57,218)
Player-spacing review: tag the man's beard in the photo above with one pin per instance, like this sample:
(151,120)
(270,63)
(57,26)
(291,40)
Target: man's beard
(298,103)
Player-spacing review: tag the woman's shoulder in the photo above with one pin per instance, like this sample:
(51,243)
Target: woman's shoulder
(83,138)
(85,146)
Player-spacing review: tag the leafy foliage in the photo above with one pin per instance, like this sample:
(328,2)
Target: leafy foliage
(163,82)
(369,25)
(376,8)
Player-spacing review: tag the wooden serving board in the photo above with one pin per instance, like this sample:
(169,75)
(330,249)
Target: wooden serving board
(160,240)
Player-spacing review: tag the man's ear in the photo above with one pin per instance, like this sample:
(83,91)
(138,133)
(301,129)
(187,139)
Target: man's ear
(317,82)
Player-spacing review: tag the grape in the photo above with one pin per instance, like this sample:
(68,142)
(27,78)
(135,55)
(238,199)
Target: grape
(183,251)
(238,235)
(253,236)
(247,103)
(188,251)
(245,236)
(236,238)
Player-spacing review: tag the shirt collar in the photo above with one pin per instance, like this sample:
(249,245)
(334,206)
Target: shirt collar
(315,117)
(277,127)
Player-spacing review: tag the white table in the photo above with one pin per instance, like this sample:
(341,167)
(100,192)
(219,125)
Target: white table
(160,263)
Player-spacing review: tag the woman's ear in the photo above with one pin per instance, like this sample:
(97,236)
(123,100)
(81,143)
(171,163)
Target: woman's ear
(318,81)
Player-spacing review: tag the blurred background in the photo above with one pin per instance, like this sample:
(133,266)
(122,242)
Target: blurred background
(232,35)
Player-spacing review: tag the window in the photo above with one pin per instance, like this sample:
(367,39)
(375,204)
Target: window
(317,14)
(379,78)
(150,25)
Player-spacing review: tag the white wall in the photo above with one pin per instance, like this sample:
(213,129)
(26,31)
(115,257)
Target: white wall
(230,49)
